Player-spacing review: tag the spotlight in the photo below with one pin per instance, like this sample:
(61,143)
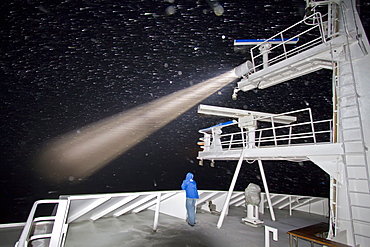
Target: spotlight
(212,163)
(244,69)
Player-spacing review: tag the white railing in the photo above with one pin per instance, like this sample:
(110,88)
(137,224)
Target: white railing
(45,225)
(50,229)
(317,33)
(272,134)
(309,204)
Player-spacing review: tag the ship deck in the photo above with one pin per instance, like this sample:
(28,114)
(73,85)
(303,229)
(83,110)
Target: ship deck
(136,230)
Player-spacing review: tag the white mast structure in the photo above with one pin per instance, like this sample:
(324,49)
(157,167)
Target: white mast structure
(340,45)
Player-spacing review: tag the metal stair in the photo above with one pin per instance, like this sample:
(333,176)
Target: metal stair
(356,174)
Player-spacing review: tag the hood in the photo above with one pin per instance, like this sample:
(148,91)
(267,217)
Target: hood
(189,176)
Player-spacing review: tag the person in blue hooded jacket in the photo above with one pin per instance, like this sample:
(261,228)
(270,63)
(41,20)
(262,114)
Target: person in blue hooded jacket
(190,186)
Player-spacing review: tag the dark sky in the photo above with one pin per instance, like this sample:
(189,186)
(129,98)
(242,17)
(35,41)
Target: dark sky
(66,64)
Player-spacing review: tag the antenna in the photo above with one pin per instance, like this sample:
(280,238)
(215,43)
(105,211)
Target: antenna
(237,113)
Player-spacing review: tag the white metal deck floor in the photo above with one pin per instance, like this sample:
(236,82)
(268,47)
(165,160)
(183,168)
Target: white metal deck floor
(136,230)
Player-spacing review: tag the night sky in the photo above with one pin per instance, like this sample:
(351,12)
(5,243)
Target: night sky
(67,64)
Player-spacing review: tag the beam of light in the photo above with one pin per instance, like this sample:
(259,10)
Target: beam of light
(77,155)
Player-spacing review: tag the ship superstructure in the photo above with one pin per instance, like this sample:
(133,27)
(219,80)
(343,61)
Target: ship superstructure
(336,41)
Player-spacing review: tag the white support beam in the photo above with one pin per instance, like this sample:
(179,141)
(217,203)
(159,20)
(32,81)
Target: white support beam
(240,203)
(59,226)
(280,200)
(231,189)
(113,207)
(206,198)
(266,190)
(289,203)
(156,214)
(134,205)
(151,203)
(94,204)
(237,199)
(303,203)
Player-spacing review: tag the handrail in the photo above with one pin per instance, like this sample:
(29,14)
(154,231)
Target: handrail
(25,236)
(308,132)
(57,223)
(165,199)
(256,53)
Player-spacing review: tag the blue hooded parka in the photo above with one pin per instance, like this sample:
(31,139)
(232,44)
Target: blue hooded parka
(190,186)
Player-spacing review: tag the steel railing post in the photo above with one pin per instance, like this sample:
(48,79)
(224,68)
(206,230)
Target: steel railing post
(156,214)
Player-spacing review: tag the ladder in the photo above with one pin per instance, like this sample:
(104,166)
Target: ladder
(47,230)
(355,174)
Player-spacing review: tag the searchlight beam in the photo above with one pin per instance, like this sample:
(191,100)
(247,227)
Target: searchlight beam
(79,154)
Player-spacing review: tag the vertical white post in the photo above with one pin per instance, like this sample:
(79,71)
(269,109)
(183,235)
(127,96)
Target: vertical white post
(274,231)
(262,204)
(264,50)
(251,137)
(231,189)
(156,214)
(207,142)
(265,57)
(266,190)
